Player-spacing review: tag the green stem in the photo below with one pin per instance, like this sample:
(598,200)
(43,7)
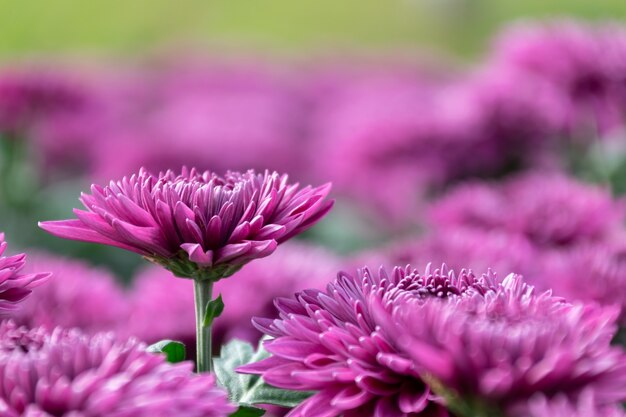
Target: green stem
(203,291)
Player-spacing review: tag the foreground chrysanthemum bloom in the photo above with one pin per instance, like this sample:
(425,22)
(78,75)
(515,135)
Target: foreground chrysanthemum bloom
(15,285)
(65,373)
(491,355)
(197,225)
(328,341)
(78,296)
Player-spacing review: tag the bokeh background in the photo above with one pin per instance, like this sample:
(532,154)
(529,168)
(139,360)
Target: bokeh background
(397,103)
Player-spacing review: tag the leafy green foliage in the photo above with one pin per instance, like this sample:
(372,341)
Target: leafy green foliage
(247,390)
(173,351)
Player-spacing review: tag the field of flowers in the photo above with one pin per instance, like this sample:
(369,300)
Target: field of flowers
(360,238)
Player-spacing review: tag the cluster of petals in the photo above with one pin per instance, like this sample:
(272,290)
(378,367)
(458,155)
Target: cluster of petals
(15,283)
(65,373)
(329,342)
(510,345)
(78,296)
(196,224)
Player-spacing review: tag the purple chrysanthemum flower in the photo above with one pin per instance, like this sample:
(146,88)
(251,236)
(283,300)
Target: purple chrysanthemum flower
(196,224)
(328,341)
(15,284)
(498,351)
(78,296)
(551,210)
(292,268)
(67,373)
(585,62)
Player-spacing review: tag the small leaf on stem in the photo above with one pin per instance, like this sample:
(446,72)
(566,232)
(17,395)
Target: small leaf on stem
(174,351)
(248,411)
(213,310)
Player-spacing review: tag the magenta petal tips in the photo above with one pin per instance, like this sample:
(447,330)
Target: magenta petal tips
(15,285)
(198,225)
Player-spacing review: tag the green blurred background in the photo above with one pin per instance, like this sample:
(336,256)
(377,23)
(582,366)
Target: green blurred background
(278,27)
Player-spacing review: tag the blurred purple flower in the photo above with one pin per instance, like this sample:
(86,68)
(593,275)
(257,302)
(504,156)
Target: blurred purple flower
(66,373)
(78,296)
(232,116)
(328,341)
(501,350)
(561,406)
(292,268)
(155,294)
(389,136)
(549,209)
(15,284)
(460,247)
(586,63)
(27,96)
(196,224)
(522,118)
(591,274)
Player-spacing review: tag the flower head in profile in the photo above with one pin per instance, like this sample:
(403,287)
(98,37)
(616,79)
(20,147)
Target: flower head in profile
(15,284)
(196,224)
(499,351)
(66,373)
(328,341)
(78,296)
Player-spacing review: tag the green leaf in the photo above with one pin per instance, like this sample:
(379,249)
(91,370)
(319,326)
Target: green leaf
(248,411)
(174,351)
(250,389)
(213,310)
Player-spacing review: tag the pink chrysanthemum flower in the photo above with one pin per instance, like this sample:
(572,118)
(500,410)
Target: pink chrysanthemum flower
(15,284)
(496,352)
(551,210)
(328,341)
(66,373)
(294,267)
(78,296)
(196,224)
